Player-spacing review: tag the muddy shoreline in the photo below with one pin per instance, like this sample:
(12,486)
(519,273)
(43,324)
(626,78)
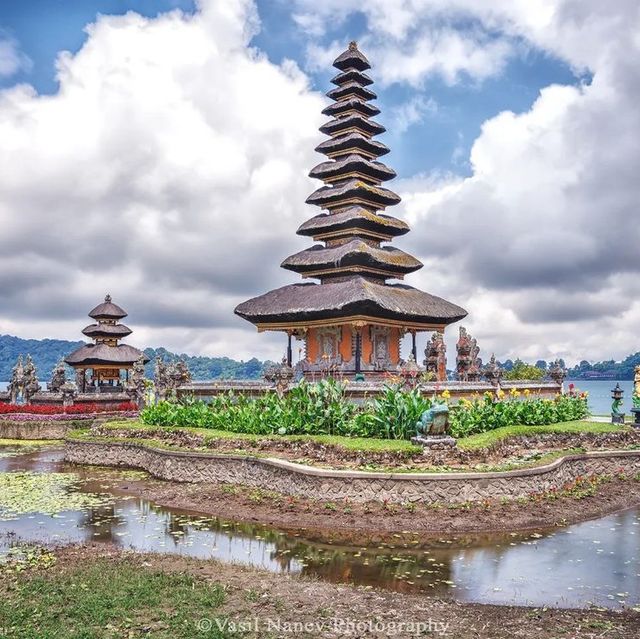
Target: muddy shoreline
(267,598)
(379,521)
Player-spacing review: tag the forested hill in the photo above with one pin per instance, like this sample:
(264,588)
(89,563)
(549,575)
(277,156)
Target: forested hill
(46,353)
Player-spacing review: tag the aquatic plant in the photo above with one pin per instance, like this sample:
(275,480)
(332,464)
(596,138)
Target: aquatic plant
(49,493)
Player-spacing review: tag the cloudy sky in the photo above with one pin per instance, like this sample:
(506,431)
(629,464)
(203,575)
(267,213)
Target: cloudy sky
(159,150)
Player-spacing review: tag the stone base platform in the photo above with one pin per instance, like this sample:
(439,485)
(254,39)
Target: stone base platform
(331,485)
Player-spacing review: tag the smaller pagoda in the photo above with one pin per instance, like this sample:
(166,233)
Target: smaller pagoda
(106,359)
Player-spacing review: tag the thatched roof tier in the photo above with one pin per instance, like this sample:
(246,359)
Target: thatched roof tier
(352,165)
(357,253)
(354,122)
(105,355)
(352,58)
(352,75)
(298,304)
(351,90)
(351,105)
(117,331)
(353,192)
(352,143)
(354,220)
(352,266)
(107,310)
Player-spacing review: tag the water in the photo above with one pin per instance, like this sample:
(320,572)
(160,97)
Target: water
(600,393)
(595,562)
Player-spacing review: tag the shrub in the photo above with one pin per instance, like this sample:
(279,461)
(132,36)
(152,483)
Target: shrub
(488,413)
(58,409)
(323,409)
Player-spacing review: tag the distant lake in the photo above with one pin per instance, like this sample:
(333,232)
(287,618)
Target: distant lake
(599,393)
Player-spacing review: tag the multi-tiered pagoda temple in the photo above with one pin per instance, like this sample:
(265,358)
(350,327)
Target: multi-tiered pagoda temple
(106,358)
(353,320)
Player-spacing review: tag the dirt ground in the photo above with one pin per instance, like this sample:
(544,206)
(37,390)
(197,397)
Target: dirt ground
(378,521)
(270,602)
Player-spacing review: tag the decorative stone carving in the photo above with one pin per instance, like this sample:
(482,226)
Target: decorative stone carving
(436,356)
(58,378)
(30,384)
(463,355)
(474,374)
(169,377)
(380,351)
(137,384)
(280,376)
(410,372)
(557,373)
(69,393)
(492,372)
(16,384)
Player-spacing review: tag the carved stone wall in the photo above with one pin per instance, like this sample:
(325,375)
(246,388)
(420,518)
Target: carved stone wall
(305,481)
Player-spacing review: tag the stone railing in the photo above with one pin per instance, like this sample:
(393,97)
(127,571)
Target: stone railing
(359,391)
(289,478)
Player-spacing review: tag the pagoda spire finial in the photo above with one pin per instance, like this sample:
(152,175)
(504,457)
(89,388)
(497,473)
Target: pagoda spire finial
(107,298)
(353,45)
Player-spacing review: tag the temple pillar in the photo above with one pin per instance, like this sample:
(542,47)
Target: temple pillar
(289,351)
(358,354)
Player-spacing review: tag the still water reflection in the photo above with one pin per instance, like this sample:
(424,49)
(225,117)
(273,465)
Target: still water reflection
(595,562)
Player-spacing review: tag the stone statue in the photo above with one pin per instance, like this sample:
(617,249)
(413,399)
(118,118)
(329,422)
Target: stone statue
(475,368)
(167,378)
(58,378)
(492,372)
(69,393)
(30,380)
(435,357)
(137,384)
(636,387)
(16,384)
(433,428)
(463,355)
(557,373)
(81,379)
(180,374)
(410,372)
(280,376)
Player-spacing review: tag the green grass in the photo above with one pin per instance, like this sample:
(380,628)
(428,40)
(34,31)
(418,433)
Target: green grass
(29,442)
(105,599)
(484,440)
(359,444)
(363,444)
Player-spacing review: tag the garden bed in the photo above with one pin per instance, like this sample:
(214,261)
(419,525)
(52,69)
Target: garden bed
(501,449)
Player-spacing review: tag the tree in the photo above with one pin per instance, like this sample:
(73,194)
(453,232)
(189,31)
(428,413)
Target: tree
(522,370)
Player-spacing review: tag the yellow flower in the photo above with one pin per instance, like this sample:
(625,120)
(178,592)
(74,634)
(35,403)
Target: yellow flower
(446,394)
(527,392)
(514,392)
(500,394)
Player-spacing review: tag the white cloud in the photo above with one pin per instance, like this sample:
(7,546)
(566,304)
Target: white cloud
(411,112)
(12,59)
(169,169)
